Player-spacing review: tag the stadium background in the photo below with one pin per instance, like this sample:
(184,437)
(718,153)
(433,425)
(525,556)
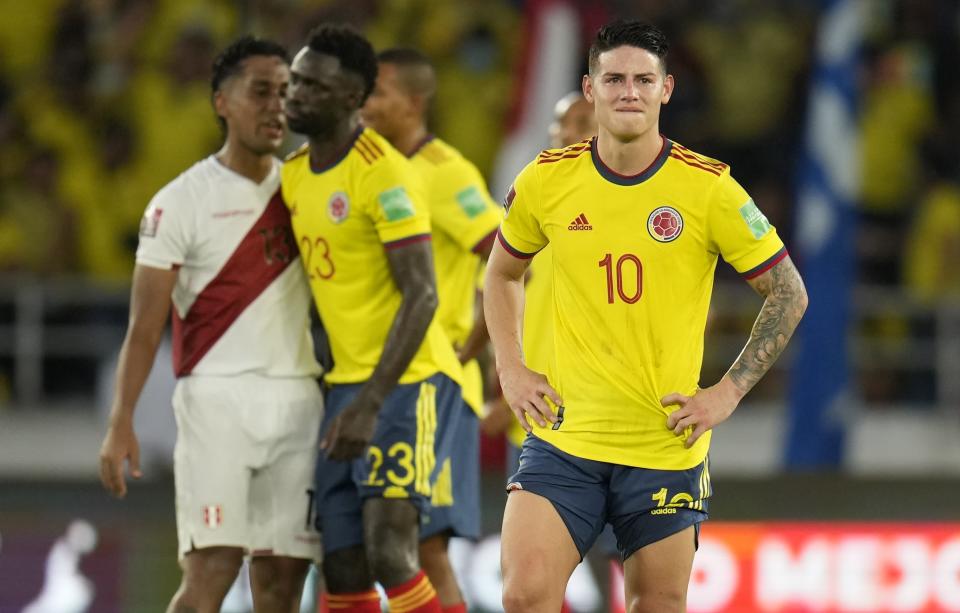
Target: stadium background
(839,117)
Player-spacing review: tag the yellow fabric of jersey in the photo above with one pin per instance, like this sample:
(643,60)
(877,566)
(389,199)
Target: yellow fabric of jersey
(538,346)
(633,267)
(344,217)
(462,214)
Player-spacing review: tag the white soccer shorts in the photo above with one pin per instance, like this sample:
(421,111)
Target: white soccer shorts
(244,464)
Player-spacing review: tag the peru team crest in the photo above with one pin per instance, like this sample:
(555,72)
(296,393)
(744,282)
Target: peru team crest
(338,207)
(665,224)
(213,516)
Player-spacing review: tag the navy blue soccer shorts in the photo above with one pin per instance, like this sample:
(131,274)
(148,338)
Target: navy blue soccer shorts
(643,505)
(455,505)
(410,444)
(605,544)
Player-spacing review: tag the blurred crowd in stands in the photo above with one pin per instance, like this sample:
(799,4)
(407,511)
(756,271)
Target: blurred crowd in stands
(102,102)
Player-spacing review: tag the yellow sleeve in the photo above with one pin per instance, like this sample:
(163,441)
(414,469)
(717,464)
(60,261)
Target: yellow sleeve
(463,208)
(520,231)
(739,231)
(393,199)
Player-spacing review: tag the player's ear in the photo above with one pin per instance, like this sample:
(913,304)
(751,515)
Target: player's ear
(219,103)
(668,85)
(587,86)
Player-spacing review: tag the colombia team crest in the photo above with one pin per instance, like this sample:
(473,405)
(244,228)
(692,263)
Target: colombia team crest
(338,207)
(665,224)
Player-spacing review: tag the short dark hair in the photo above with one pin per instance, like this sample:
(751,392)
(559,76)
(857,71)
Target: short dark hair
(350,47)
(228,63)
(420,77)
(632,33)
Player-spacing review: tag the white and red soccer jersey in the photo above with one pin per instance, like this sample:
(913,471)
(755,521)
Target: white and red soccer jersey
(241,302)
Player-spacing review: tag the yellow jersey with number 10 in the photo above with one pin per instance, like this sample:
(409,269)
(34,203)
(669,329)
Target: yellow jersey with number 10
(633,266)
(344,217)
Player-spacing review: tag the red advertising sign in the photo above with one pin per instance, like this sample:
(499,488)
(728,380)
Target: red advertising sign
(823,567)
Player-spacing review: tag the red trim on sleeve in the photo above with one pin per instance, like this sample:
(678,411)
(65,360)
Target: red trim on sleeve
(409,240)
(485,243)
(762,268)
(514,252)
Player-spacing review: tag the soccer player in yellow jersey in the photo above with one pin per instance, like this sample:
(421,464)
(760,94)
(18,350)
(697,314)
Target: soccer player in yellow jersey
(464,219)
(620,427)
(363,231)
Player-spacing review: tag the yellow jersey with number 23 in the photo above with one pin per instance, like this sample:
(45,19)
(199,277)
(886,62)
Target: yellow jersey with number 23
(345,216)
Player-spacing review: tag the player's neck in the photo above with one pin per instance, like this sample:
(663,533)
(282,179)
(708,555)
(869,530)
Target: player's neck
(323,147)
(411,140)
(629,157)
(244,162)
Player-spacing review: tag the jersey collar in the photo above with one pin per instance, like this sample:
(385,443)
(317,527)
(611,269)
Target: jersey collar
(338,156)
(423,143)
(615,177)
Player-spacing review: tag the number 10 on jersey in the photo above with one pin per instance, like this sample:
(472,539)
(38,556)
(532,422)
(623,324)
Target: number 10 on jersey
(621,274)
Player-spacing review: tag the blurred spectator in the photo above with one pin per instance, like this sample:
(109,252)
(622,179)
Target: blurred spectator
(932,255)
(25,35)
(36,228)
(171,110)
(474,47)
(753,54)
(109,196)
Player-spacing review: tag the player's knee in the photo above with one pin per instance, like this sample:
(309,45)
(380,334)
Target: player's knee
(391,532)
(522,595)
(663,601)
(211,570)
(279,579)
(215,564)
(347,571)
(527,587)
(393,560)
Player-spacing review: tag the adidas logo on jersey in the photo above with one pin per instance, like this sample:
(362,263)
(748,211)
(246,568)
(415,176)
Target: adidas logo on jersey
(580,223)
(664,511)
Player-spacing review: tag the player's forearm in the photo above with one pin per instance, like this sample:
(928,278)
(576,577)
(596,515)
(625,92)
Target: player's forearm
(503,301)
(478,337)
(133,367)
(783,307)
(403,340)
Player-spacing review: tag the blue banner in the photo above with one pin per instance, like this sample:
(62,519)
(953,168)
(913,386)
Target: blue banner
(827,186)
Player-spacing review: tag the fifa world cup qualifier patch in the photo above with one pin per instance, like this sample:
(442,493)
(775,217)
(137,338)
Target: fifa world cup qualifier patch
(471,201)
(150,222)
(396,204)
(755,219)
(508,200)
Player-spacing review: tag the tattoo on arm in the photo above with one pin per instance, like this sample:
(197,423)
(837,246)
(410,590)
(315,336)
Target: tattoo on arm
(786,300)
(412,269)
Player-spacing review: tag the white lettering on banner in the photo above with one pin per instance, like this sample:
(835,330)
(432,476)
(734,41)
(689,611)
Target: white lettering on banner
(782,578)
(946,575)
(781,566)
(859,572)
(714,579)
(910,557)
